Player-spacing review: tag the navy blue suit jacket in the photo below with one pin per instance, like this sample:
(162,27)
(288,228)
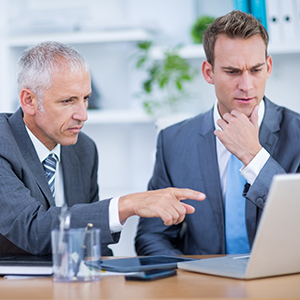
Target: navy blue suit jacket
(186,158)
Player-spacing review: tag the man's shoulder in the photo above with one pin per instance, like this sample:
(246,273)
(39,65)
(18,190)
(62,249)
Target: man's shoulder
(4,117)
(286,114)
(4,125)
(199,123)
(9,147)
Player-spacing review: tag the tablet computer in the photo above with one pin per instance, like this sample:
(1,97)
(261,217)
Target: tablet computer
(137,264)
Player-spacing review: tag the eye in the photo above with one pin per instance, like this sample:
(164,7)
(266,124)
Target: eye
(232,72)
(86,98)
(67,101)
(257,70)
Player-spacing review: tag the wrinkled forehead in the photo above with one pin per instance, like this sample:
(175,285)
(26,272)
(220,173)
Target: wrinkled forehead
(238,51)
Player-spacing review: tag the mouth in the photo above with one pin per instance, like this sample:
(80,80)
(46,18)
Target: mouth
(75,129)
(244,99)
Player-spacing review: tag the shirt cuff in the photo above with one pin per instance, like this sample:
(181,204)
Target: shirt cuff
(251,171)
(114,221)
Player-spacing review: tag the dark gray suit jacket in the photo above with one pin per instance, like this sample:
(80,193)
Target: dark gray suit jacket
(27,208)
(186,158)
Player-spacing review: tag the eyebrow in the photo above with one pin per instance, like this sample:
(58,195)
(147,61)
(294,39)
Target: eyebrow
(88,95)
(237,69)
(75,97)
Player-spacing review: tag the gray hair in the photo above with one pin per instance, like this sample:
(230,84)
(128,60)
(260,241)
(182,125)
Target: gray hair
(38,63)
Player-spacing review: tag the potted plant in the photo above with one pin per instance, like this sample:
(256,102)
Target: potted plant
(165,84)
(199,27)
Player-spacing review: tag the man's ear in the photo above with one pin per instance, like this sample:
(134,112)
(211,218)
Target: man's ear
(29,101)
(269,65)
(207,72)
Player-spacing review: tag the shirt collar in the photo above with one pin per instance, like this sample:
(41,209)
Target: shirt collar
(261,113)
(41,150)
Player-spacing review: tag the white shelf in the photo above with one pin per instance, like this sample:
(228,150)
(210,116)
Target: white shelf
(81,37)
(188,51)
(126,116)
(197,51)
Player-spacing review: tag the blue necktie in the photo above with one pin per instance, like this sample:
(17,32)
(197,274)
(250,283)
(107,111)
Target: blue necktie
(235,209)
(49,167)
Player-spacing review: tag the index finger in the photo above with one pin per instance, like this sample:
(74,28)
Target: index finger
(182,194)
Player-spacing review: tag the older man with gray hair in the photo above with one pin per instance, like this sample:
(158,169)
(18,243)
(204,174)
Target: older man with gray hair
(46,162)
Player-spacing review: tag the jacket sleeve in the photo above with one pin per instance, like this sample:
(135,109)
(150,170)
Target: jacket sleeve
(26,219)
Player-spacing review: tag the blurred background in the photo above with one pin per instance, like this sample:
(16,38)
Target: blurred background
(124,41)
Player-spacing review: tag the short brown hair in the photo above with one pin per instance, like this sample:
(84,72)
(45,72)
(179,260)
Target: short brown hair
(235,24)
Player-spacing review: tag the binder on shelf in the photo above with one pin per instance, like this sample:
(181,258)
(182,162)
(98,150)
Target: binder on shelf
(258,10)
(274,21)
(289,20)
(242,5)
(298,18)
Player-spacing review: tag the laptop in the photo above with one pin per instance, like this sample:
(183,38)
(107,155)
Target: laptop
(276,248)
(25,264)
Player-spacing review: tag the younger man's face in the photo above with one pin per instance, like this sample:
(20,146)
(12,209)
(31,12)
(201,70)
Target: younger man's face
(240,73)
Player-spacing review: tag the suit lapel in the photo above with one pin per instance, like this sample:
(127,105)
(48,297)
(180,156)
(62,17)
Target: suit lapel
(208,164)
(269,127)
(70,164)
(72,174)
(29,154)
(268,139)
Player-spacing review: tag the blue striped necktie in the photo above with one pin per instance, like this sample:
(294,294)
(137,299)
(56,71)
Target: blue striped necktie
(235,209)
(50,167)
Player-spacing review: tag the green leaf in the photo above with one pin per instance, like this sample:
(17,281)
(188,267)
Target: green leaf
(147,86)
(199,28)
(163,81)
(186,77)
(140,62)
(178,84)
(154,70)
(144,45)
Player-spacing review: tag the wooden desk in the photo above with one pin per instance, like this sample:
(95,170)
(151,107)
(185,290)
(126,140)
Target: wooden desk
(185,285)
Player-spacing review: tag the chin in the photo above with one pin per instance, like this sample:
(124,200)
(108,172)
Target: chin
(69,142)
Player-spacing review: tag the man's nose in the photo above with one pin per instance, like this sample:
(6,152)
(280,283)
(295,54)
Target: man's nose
(81,111)
(245,83)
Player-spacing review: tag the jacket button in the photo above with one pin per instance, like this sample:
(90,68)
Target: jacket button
(259,201)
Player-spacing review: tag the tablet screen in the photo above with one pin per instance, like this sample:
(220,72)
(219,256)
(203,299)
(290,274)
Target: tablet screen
(136,264)
(154,260)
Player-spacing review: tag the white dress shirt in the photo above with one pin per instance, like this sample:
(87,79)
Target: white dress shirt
(43,152)
(251,171)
